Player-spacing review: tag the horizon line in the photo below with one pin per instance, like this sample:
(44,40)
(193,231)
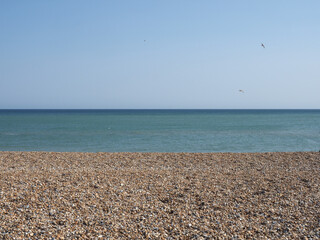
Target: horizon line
(146,109)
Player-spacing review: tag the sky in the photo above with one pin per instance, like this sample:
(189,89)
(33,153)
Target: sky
(159,54)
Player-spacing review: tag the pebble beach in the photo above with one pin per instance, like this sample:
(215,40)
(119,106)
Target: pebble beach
(50,195)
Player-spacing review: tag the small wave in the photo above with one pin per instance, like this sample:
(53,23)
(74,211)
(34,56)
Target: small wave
(9,134)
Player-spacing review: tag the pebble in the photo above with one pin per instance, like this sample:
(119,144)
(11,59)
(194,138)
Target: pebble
(48,195)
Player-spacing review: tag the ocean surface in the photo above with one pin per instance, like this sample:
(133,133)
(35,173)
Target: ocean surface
(160,130)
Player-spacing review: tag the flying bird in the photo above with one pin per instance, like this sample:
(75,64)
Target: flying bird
(262,45)
(241,91)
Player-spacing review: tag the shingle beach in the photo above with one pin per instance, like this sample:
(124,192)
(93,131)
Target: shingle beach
(48,195)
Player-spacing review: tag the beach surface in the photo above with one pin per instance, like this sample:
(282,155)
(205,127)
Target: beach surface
(48,195)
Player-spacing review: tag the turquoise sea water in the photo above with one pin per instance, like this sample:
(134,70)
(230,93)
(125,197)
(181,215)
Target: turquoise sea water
(160,130)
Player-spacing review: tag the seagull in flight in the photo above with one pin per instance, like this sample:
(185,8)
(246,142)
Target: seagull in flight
(262,45)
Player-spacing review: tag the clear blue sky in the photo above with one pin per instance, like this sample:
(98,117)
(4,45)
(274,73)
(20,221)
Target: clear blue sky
(159,54)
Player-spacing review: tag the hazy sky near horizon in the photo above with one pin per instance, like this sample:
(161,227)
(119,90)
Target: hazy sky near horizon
(159,54)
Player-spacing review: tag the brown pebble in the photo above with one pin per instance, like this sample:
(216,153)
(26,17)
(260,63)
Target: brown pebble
(159,195)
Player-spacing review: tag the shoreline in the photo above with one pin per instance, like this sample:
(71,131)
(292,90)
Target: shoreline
(159,195)
(138,152)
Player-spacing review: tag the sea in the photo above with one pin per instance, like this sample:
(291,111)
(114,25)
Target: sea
(160,130)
